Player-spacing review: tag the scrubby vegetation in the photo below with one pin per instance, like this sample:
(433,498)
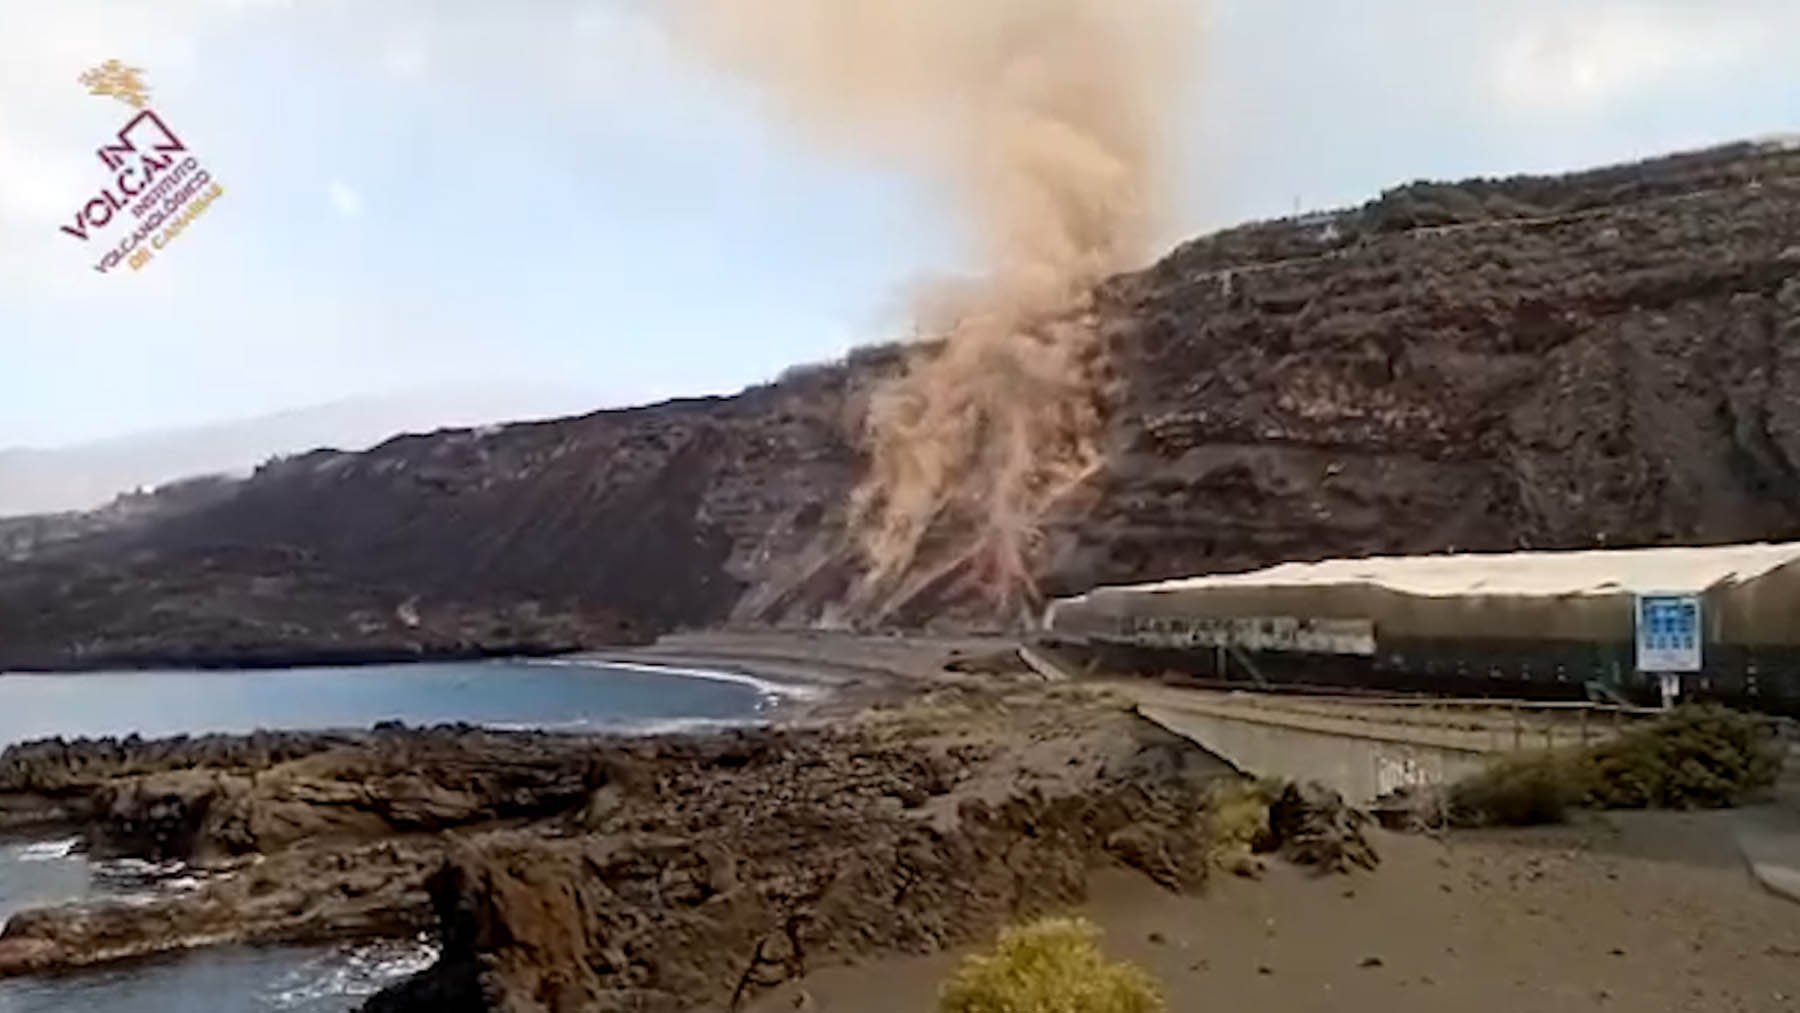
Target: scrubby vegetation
(1515,791)
(1237,819)
(1053,965)
(1697,757)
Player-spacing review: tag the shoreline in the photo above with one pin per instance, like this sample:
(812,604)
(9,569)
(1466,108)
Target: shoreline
(758,700)
(851,673)
(767,688)
(799,678)
(312,835)
(305,836)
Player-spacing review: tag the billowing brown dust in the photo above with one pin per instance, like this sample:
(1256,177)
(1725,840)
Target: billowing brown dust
(1042,119)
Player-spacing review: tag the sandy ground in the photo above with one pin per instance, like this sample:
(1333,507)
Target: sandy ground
(1639,911)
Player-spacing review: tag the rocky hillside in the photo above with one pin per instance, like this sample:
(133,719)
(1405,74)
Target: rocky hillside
(1605,358)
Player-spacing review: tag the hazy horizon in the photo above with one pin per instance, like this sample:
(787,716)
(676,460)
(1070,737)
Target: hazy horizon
(83,476)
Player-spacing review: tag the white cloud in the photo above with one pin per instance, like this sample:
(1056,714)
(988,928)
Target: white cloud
(345,199)
(406,60)
(41,189)
(1582,58)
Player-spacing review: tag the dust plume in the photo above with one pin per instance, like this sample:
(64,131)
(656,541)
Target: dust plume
(1041,121)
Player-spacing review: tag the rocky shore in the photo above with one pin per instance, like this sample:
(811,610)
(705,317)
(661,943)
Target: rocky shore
(663,873)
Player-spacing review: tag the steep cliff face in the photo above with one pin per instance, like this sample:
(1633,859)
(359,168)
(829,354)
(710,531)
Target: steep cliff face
(1607,358)
(534,537)
(1604,359)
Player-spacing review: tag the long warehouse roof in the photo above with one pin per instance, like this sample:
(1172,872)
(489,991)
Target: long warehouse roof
(1543,574)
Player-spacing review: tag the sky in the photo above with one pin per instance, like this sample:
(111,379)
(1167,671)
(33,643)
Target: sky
(548,197)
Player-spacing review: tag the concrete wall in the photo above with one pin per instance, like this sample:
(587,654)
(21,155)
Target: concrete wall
(1361,768)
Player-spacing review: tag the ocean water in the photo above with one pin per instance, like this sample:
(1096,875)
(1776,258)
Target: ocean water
(334,979)
(567,695)
(557,694)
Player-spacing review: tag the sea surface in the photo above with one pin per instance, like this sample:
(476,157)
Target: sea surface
(557,694)
(563,695)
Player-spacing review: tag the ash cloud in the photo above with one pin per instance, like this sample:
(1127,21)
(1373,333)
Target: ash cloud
(1043,120)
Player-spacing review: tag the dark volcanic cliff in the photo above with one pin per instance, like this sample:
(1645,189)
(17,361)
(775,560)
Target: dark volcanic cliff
(1606,358)
(1601,359)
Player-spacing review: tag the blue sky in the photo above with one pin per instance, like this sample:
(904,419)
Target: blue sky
(545,195)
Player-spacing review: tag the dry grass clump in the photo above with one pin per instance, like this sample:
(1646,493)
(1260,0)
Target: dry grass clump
(1516,791)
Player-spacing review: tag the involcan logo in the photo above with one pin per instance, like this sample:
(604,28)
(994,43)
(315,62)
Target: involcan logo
(155,186)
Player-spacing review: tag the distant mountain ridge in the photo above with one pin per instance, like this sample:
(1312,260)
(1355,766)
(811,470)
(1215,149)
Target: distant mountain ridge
(87,476)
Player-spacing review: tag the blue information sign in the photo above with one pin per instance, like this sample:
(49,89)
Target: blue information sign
(1668,633)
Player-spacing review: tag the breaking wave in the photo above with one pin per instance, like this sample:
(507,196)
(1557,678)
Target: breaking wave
(770,690)
(48,851)
(354,971)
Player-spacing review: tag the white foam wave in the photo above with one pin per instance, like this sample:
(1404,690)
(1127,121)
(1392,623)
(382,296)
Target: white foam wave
(673,726)
(138,867)
(767,687)
(577,725)
(48,851)
(626,726)
(355,971)
(135,877)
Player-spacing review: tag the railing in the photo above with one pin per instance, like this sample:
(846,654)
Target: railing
(1486,724)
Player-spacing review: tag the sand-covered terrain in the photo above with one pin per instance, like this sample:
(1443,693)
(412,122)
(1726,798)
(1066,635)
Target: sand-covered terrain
(1637,911)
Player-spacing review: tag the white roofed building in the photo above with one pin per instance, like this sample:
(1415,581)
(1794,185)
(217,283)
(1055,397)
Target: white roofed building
(1501,622)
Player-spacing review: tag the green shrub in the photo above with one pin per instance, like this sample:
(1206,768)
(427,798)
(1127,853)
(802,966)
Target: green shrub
(1696,757)
(1053,965)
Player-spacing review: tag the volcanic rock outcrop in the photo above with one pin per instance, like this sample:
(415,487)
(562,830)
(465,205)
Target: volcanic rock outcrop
(572,873)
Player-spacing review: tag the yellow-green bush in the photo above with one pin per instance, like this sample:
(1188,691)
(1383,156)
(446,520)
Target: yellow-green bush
(1053,965)
(1237,818)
